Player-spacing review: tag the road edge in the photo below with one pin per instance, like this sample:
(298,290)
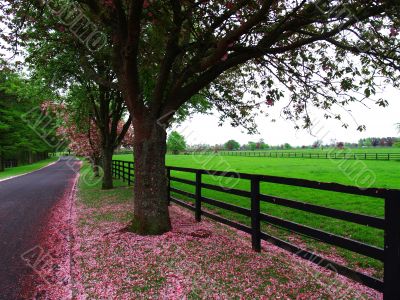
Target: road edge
(72,223)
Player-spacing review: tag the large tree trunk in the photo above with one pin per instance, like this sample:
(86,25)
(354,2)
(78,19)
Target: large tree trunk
(107,168)
(151,214)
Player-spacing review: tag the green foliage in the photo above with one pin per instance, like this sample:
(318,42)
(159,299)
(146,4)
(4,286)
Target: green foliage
(287,146)
(261,145)
(251,145)
(236,62)
(176,142)
(24,130)
(231,145)
(376,141)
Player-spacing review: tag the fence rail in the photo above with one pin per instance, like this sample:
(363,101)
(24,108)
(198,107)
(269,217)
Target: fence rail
(10,163)
(327,155)
(389,255)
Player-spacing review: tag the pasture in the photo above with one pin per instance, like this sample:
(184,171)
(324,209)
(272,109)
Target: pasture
(382,174)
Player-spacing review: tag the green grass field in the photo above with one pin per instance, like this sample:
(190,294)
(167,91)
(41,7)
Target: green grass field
(26,168)
(384,175)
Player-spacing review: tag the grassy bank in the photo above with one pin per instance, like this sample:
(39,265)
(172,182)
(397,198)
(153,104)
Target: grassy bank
(9,172)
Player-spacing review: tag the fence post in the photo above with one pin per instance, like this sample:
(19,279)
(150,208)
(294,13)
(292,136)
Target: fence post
(255,214)
(391,282)
(129,173)
(169,185)
(198,196)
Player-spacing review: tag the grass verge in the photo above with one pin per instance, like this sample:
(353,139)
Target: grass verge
(10,172)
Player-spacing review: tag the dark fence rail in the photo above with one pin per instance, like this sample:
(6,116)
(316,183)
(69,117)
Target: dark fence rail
(389,255)
(10,163)
(288,154)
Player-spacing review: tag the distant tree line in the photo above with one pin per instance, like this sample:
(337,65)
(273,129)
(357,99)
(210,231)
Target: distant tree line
(26,136)
(177,144)
(376,141)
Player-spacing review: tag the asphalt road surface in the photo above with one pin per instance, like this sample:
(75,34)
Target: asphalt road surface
(25,202)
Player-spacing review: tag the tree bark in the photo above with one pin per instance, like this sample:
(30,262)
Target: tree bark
(107,168)
(151,214)
(95,166)
(1,163)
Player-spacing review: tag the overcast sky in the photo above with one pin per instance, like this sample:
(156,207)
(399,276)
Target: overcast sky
(380,122)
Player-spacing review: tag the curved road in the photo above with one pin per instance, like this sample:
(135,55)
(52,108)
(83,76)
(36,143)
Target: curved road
(24,204)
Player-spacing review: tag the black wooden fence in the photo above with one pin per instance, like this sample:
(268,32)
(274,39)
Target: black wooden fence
(10,163)
(320,155)
(389,255)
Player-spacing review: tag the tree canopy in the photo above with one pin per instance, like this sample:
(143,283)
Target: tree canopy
(173,57)
(316,53)
(25,133)
(231,145)
(176,142)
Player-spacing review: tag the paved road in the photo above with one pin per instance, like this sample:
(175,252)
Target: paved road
(24,204)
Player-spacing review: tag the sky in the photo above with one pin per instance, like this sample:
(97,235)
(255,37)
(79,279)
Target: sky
(380,122)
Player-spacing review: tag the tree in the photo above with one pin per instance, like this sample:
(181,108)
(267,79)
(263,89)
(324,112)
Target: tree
(106,109)
(85,143)
(375,141)
(261,145)
(176,142)
(317,144)
(231,145)
(251,146)
(58,63)
(167,53)
(287,146)
(20,106)
(368,142)
(340,145)
(83,136)
(389,141)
